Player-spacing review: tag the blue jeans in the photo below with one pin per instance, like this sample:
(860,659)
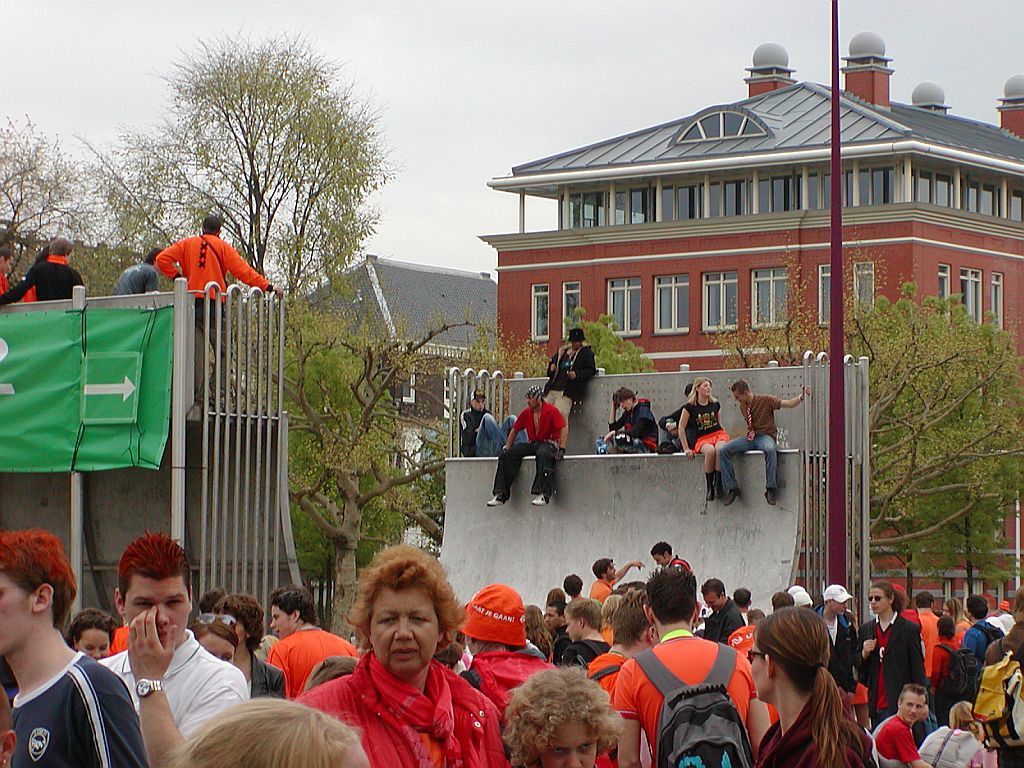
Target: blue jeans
(763,443)
(491,437)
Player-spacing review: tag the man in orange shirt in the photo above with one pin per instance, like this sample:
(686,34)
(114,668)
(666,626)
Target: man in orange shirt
(672,608)
(929,627)
(303,645)
(632,634)
(608,577)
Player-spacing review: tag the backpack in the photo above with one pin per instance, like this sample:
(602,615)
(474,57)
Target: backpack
(964,671)
(990,632)
(698,724)
(999,706)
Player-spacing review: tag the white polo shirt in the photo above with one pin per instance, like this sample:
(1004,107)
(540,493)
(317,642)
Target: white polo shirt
(198,685)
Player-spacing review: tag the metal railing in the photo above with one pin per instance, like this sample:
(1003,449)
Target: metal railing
(244,522)
(460,385)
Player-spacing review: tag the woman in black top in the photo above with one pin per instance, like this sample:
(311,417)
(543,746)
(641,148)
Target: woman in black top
(700,413)
(890,652)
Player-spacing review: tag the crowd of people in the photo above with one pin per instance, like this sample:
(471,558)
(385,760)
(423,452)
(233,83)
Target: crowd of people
(651,672)
(541,429)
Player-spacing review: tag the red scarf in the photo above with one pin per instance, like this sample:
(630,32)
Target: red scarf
(411,713)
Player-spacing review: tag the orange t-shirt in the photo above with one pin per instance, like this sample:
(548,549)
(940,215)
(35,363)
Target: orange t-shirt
(604,661)
(600,590)
(204,259)
(120,641)
(929,636)
(297,654)
(689,659)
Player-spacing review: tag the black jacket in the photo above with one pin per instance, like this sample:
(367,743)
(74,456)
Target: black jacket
(584,366)
(841,657)
(51,279)
(267,680)
(469,423)
(904,662)
(562,641)
(720,624)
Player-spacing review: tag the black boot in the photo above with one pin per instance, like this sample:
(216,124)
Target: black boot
(709,478)
(719,491)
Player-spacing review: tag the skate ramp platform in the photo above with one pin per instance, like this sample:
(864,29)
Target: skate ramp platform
(619,507)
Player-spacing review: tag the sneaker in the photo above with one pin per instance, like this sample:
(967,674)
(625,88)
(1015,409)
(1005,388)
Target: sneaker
(540,501)
(497,501)
(769,496)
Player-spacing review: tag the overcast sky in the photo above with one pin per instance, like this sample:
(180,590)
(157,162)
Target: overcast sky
(469,89)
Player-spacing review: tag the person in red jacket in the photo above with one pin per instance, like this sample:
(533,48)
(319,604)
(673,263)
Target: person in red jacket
(411,710)
(496,628)
(207,259)
(6,261)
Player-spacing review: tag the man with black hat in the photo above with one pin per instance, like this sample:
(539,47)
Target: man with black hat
(547,433)
(569,370)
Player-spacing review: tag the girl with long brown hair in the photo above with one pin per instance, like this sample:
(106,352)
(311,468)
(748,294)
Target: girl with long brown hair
(789,663)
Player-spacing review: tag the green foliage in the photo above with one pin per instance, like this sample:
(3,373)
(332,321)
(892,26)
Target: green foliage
(611,351)
(267,135)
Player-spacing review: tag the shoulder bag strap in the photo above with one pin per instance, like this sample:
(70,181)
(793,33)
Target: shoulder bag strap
(660,675)
(938,755)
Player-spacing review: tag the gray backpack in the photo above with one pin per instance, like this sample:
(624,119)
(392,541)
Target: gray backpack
(698,724)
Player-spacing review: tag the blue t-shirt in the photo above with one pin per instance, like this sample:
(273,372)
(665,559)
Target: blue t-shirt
(83,717)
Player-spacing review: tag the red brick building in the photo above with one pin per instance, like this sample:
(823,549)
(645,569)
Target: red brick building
(720,219)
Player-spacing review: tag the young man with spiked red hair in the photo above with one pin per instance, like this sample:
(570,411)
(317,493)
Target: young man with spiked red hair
(69,710)
(176,685)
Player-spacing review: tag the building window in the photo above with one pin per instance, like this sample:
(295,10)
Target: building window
(813,191)
(735,197)
(586,209)
(824,293)
(409,390)
(997,299)
(640,205)
(989,200)
(672,304)
(721,295)
(688,202)
(620,207)
(970,193)
(943,190)
(875,186)
(924,186)
(779,193)
(970,291)
(539,324)
(570,301)
(715,199)
(768,297)
(945,288)
(721,125)
(624,305)
(864,283)
(1017,205)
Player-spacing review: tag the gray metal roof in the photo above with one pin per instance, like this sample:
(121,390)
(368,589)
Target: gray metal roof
(411,298)
(797,117)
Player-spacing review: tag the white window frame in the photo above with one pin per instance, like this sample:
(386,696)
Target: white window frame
(567,320)
(718,281)
(629,284)
(997,298)
(970,293)
(774,277)
(538,291)
(671,283)
(410,397)
(864,272)
(945,281)
(824,295)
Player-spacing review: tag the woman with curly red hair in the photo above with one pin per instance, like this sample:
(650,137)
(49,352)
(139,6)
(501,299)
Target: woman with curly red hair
(411,710)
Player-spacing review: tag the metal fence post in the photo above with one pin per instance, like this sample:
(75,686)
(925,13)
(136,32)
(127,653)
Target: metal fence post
(184,327)
(76,505)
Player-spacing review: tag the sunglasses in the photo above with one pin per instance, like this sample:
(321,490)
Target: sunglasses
(210,618)
(874,598)
(751,655)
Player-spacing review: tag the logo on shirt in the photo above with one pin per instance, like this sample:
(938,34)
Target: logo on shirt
(38,741)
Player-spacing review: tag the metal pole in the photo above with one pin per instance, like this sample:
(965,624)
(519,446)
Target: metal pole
(1016,539)
(76,505)
(181,385)
(837,396)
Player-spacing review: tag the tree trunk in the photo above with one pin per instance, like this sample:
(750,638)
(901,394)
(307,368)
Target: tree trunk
(344,585)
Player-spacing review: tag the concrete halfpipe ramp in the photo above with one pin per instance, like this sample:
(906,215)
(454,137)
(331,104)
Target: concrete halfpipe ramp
(618,507)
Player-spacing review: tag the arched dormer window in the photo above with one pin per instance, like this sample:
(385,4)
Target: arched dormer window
(722,124)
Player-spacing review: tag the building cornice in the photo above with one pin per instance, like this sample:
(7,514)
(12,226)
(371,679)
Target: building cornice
(915,213)
(528,181)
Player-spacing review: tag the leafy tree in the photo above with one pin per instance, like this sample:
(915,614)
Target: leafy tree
(611,351)
(42,193)
(267,135)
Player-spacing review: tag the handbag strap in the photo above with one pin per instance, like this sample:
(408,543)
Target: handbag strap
(945,741)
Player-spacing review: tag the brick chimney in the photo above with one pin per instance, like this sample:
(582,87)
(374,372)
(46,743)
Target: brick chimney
(867,71)
(769,71)
(1011,106)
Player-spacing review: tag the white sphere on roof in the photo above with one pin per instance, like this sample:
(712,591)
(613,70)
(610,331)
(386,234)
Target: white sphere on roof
(928,94)
(1014,88)
(867,44)
(770,55)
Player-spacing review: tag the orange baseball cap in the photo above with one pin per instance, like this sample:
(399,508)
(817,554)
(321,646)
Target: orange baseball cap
(496,615)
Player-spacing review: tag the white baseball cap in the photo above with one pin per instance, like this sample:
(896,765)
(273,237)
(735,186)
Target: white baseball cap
(801,598)
(837,592)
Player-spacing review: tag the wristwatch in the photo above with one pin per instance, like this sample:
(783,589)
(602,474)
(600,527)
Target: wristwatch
(144,687)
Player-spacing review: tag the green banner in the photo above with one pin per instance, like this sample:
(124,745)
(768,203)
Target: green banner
(84,391)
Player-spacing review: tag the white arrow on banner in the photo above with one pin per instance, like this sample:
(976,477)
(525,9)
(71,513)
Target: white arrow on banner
(124,389)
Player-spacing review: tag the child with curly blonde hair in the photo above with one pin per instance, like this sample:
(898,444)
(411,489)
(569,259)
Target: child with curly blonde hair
(559,718)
